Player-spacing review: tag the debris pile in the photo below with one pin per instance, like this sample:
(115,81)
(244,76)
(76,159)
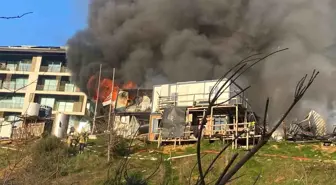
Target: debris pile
(313,127)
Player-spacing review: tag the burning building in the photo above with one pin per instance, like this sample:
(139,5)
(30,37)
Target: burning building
(182,40)
(131,105)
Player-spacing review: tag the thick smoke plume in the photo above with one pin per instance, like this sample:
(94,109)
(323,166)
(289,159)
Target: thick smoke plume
(153,41)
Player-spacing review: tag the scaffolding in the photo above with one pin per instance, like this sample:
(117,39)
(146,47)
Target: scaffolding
(225,122)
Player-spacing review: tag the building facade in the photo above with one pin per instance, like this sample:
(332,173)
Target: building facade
(40,75)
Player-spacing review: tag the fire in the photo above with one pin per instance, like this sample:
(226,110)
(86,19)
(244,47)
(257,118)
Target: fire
(105,88)
(129,85)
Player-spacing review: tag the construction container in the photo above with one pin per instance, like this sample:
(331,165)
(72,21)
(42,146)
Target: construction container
(192,93)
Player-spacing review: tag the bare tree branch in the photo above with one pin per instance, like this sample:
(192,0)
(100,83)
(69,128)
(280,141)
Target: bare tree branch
(16,17)
(234,157)
(258,177)
(265,115)
(240,68)
(300,91)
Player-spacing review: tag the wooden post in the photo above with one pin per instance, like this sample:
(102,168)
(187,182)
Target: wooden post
(111,111)
(247,137)
(95,111)
(284,130)
(159,139)
(211,122)
(236,124)
(248,129)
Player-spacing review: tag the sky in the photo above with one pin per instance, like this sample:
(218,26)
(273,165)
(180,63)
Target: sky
(52,22)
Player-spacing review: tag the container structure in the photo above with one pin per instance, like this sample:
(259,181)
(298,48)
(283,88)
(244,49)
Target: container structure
(188,101)
(60,125)
(187,94)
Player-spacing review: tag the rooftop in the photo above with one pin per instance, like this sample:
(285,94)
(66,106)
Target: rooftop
(34,49)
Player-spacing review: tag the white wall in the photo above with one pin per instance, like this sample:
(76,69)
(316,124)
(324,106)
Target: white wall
(188,92)
(5,129)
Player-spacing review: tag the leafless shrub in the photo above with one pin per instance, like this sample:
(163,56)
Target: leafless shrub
(230,76)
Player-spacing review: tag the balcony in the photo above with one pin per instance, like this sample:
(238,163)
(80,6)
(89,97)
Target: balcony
(11,105)
(59,88)
(13,86)
(16,67)
(68,107)
(54,69)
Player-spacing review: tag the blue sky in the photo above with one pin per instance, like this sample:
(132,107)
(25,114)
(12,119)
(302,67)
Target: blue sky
(52,23)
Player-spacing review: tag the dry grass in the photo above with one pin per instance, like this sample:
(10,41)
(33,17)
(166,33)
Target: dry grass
(91,167)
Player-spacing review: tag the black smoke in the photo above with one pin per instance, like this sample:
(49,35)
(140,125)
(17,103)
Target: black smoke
(154,41)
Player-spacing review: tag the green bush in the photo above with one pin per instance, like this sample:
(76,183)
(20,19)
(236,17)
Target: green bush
(48,144)
(49,156)
(121,148)
(135,179)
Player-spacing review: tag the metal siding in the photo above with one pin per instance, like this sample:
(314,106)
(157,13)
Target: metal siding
(172,89)
(164,90)
(189,92)
(182,92)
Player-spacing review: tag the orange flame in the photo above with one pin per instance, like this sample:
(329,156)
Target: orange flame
(105,88)
(129,85)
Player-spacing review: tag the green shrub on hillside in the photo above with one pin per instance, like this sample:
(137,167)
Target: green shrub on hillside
(49,157)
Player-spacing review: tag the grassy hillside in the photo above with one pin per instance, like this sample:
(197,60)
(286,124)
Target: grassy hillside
(278,163)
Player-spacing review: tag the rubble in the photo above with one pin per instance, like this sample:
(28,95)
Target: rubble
(313,127)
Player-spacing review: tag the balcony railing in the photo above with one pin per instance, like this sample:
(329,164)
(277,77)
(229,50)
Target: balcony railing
(198,99)
(24,65)
(77,107)
(13,86)
(16,68)
(54,69)
(60,88)
(11,105)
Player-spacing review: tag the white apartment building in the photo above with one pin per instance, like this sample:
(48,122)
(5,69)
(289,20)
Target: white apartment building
(38,74)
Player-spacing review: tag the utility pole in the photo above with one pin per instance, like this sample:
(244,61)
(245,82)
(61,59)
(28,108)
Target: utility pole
(111,111)
(95,111)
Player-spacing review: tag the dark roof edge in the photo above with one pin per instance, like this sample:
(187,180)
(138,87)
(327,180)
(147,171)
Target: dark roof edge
(33,49)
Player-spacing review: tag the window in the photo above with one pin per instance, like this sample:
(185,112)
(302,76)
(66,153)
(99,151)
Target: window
(61,106)
(69,107)
(11,65)
(12,118)
(6,102)
(219,121)
(69,88)
(54,66)
(48,102)
(9,85)
(65,106)
(15,102)
(155,126)
(20,83)
(2,65)
(18,102)
(24,65)
(50,85)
